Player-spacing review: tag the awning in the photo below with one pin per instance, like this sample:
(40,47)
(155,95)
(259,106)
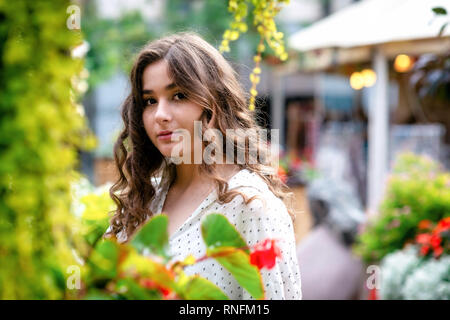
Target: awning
(373,22)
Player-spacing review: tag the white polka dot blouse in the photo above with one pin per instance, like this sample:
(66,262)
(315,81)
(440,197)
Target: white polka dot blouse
(255,221)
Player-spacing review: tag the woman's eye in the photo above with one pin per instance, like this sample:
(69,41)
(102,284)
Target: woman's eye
(179,96)
(149,102)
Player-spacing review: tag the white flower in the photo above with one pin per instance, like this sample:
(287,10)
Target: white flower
(395,268)
(429,282)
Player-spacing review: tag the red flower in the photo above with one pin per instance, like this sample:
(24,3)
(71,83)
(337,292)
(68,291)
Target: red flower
(150,284)
(435,240)
(373,294)
(423,238)
(443,225)
(265,254)
(438,251)
(424,250)
(165,292)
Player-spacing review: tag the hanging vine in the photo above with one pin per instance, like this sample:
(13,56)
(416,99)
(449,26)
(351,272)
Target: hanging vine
(264,12)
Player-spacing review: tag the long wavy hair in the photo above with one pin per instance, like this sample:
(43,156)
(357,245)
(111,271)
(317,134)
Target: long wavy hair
(205,77)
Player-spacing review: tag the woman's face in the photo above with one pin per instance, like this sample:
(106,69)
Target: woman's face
(166,108)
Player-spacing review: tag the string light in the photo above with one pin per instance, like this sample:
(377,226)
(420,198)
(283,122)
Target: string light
(403,63)
(365,78)
(357,81)
(369,76)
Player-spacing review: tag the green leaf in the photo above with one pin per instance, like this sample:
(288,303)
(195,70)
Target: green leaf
(237,262)
(439,10)
(442,29)
(154,236)
(202,289)
(94,231)
(104,260)
(218,232)
(148,268)
(95,294)
(131,290)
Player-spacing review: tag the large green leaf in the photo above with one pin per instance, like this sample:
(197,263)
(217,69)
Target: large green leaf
(217,231)
(103,260)
(199,288)
(237,262)
(154,236)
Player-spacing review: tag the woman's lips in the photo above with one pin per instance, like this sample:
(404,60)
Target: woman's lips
(166,136)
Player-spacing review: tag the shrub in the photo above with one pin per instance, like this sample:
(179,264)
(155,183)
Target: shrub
(417,190)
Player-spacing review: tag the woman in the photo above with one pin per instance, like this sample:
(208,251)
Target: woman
(183,89)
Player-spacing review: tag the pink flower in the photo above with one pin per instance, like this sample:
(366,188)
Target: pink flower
(423,238)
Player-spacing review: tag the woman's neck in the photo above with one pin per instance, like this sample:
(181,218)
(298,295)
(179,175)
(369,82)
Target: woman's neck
(189,175)
(186,174)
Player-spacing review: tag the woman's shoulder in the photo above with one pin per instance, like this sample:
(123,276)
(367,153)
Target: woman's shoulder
(251,184)
(266,216)
(246,178)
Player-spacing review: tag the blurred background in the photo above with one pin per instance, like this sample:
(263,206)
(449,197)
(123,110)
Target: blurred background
(363,109)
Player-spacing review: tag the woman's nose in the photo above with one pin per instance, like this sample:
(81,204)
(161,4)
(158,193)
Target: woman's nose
(163,113)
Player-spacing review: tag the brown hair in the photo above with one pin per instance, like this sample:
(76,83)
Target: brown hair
(207,78)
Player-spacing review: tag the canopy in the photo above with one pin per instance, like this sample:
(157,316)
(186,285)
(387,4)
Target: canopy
(372,22)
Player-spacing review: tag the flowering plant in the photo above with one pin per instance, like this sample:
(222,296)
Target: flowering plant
(418,190)
(405,274)
(436,239)
(293,167)
(143,268)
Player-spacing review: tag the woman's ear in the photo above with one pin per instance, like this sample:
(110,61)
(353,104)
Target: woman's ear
(209,118)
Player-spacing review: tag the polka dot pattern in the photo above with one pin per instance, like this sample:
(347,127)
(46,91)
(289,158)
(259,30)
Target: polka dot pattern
(259,220)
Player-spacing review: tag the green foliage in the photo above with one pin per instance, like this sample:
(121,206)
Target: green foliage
(40,133)
(130,290)
(208,17)
(237,262)
(263,19)
(439,10)
(227,246)
(95,218)
(218,232)
(417,190)
(154,237)
(127,271)
(113,42)
(103,262)
(201,289)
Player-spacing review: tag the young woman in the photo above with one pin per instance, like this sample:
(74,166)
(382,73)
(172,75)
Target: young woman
(181,83)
